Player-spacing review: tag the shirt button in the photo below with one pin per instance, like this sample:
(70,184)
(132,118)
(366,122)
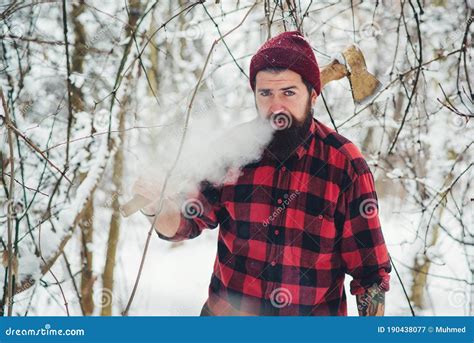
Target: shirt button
(277,232)
(273,263)
(283,169)
(320,216)
(279,201)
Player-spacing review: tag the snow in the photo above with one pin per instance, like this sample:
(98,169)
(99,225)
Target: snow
(415,182)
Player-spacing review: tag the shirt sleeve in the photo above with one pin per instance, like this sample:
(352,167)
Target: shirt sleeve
(363,250)
(198,212)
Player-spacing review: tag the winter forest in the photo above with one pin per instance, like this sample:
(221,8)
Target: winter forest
(95,94)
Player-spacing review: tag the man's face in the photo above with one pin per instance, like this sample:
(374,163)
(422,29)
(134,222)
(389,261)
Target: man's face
(283,92)
(284,99)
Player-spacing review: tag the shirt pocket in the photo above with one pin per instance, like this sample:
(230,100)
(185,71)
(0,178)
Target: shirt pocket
(320,233)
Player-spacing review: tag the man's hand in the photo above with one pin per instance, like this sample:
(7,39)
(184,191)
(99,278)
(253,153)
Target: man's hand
(372,302)
(149,189)
(167,223)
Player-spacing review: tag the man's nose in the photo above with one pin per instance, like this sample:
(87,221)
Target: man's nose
(277,108)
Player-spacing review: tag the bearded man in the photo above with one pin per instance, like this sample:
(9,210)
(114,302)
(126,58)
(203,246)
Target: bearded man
(296,221)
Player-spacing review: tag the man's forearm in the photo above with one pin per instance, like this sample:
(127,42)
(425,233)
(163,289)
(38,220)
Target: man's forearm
(372,302)
(167,222)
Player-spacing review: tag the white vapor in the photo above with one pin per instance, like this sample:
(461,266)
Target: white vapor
(209,152)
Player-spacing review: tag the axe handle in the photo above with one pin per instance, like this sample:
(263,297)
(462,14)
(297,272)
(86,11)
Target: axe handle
(333,71)
(135,204)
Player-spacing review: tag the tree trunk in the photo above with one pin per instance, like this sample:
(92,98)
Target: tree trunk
(117,174)
(86,223)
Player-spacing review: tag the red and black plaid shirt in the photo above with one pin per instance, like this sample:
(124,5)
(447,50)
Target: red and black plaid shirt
(290,231)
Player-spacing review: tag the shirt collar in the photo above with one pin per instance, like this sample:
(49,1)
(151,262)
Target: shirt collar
(304,146)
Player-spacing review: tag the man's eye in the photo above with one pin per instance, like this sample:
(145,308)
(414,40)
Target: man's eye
(264,93)
(289,93)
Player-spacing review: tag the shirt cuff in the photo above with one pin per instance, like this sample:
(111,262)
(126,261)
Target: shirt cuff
(381,279)
(183,232)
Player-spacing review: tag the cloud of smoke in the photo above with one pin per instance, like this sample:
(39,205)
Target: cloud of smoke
(210,152)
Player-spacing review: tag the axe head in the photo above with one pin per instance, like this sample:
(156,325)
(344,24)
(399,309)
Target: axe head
(363,84)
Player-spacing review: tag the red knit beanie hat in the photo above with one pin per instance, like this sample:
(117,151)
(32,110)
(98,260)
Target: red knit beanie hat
(287,50)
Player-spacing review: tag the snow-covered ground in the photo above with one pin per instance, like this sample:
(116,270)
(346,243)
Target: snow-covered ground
(426,182)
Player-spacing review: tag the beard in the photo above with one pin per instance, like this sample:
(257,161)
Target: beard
(285,141)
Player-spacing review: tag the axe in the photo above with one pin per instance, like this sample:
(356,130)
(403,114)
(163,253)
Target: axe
(135,204)
(351,64)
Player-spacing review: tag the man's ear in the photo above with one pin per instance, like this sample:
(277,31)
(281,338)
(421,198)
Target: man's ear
(314,95)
